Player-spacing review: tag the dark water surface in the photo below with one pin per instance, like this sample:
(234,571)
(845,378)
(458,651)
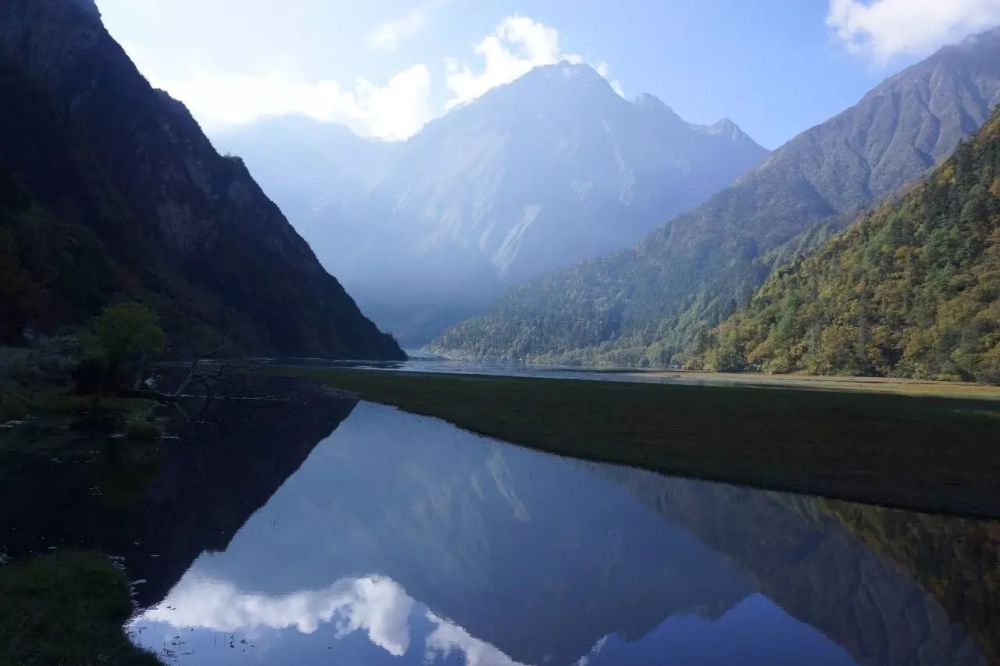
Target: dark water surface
(358,534)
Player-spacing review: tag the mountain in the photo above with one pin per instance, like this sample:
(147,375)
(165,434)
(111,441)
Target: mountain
(911,289)
(109,189)
(305,165)
(644,305)
(545,171)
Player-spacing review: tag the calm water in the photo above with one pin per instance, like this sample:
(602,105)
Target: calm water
(419,362)
(360,534)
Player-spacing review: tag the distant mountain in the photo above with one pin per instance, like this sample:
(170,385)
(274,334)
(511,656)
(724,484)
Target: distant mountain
(306,166)
(548,170)
(644,305)
(108,188)
(912,289)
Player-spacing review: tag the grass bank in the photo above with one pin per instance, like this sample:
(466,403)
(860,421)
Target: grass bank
(897,385)
(66,608)
(922,453)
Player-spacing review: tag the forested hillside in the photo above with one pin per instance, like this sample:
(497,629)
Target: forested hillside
(911,289)
(645,305)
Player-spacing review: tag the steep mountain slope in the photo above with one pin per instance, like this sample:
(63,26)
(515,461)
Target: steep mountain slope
(110,189)
(305,165)
(550,169)
(645,304)
(911,289)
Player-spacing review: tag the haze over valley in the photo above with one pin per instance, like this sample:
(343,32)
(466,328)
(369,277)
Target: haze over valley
(537,174)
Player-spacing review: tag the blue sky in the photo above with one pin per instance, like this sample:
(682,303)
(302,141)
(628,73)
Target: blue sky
(385,68)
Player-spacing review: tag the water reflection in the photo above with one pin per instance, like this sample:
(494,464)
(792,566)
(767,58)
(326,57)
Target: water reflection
(156,505)
(374,604)
(401,539)
(337,532)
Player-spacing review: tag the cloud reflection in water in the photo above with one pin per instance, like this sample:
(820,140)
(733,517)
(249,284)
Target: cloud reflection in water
(376,605)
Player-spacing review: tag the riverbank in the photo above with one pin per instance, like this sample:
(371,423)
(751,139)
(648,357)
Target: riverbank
(921,453)
(66,608)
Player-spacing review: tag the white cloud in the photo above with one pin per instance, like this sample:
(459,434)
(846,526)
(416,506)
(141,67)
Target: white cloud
(376,605)
(373,604)
(393,111)
(518,45)
(386,37)
(882,29)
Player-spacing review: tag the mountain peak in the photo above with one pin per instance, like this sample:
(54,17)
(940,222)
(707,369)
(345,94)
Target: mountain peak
(548,85)
(973,40)
(654,105)
(648,101)
(571,73)
(724,127)
(570,68)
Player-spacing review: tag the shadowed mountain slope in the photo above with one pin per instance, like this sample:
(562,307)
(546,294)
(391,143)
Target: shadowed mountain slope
(110,189)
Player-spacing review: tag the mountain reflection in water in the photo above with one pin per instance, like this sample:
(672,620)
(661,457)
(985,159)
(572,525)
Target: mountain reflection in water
(402,539)
(344,532)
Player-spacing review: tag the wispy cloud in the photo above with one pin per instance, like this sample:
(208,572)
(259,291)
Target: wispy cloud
(881,29)
(394,110)
(515,47)
(387,37)
(375,605)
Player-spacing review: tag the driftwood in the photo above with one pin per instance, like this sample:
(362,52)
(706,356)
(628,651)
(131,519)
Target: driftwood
(210,379)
